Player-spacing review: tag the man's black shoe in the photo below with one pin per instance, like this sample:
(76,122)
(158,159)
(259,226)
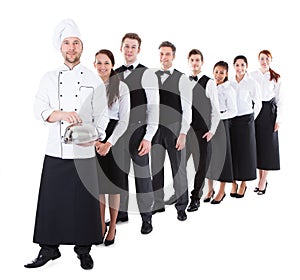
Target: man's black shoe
(181,215)
(146,227)
(43,259)
(194,205)
(86,261)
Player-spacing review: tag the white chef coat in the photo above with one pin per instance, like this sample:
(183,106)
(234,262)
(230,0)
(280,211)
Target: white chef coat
(247,91)
(120,110)
(227,100)
(69,90)
(269,90)
(211,93)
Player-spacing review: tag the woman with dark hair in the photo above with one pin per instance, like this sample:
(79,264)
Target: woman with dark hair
(221,161)
(267,122)
(111,178)
(242,130)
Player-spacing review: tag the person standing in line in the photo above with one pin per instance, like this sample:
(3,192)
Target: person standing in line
(242,130)
(228,110)
(68,205)
(267,122)
(205,120)
(174,122)
(111,178)
(143,123)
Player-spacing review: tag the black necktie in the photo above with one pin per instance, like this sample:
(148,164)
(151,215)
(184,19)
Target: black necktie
(127,68)
(160,72)
(195,78)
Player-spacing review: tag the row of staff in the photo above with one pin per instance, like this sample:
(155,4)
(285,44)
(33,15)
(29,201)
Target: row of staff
(230,127)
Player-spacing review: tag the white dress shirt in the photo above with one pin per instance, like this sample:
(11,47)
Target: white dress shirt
(227,100)
(247,91)
(69,90)
(186,97)
(120,111)
(211,93)
(269,90)
(150,85)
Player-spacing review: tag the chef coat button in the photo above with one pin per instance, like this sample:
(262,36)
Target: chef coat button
(139,121)
(61,109)
(62,122)
(60,83)
(60,72)
(78,83)
(75,110)
(76,95)
(81,73)
(60,95)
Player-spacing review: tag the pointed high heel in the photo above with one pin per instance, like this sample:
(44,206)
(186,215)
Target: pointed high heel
(256,189)
(261,192)
(218,201)
(209,198)
(241,195)
(234,194)
(108,242)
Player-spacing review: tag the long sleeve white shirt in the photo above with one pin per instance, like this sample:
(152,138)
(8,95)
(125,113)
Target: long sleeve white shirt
(227,101)
(247,93)
(69,90)
(269,90)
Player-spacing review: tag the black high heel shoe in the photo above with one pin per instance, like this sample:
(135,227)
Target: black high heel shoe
(256,189)
(218,201)
(241,195)
(234,194)
(209,198)
(261,192)
(108,242)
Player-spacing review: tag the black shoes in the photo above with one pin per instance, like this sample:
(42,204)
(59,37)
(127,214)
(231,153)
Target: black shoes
(241,195)
(194,205)
(218,201)
(43,259)
(234,193)
(181,215)
(146,227)
(86,261)
(171,200)
(108,242)
(207,199)
(158,210)
(261,192)
(120,218)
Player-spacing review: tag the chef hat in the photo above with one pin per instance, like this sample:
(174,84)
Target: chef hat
(66,28)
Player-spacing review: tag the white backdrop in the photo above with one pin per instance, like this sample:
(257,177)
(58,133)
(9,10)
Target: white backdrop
(252,238)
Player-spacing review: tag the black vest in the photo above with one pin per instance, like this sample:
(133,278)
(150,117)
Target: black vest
(170,109)
(201,109)
(138,98)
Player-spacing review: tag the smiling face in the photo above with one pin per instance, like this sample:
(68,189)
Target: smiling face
(195,63)
(240,67)
(130,49)
(220,73)
(103,66)
(71,49)
(166,57)
(264,61)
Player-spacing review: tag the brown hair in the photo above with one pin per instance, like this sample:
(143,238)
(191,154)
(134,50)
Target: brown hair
(132,36)
(168,44)
(273,75)
(195,51)
(112,91)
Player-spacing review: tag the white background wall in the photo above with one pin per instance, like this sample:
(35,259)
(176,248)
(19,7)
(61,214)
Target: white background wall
(253,238)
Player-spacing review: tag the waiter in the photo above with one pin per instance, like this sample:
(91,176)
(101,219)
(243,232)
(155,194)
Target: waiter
(68,208)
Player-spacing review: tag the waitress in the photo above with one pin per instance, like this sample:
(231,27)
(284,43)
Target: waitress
(242,132)
(68,205)
(267,122)
(111,176)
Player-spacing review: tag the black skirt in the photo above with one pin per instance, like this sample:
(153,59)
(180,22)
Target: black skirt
(220,167)
(243,147)
(111,177)
(267,143)
(68,203)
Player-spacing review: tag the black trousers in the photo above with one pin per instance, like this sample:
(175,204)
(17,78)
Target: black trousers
(48,250)
(201,151)
(165,140)
(144,193)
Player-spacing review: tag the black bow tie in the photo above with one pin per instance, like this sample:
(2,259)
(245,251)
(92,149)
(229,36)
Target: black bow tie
(195,78)
(161,72)
(127,68)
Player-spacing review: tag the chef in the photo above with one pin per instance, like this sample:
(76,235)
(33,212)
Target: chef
(68,208)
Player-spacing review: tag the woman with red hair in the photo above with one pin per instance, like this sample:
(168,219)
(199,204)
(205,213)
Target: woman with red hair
(267,122)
